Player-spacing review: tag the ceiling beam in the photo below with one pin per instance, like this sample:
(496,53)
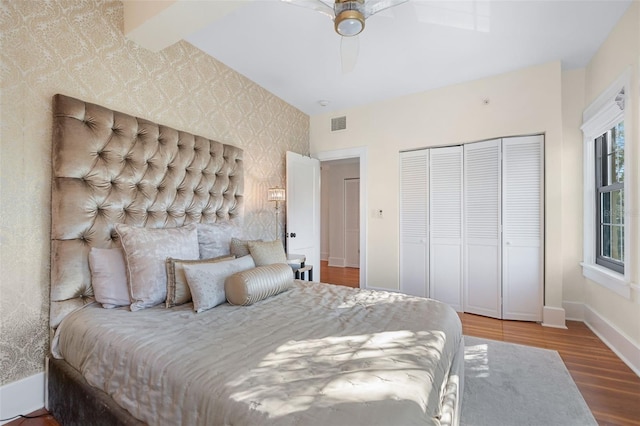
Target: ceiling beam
(156,24)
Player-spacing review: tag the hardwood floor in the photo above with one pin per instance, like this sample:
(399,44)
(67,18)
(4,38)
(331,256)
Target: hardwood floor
(610,388)
(349,277)
(46,420)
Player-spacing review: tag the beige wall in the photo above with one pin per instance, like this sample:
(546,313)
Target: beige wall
(77,48)
(521,102)
(573,282)
(620,52)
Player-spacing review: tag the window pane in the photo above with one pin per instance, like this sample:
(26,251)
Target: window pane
(612,207)
(612,242)
(612,155)
(605,249)
(617,243)
(605,207)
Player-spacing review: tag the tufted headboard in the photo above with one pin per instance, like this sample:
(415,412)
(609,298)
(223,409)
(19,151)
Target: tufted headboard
(108,168)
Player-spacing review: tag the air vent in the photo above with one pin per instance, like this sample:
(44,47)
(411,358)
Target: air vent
(339,123)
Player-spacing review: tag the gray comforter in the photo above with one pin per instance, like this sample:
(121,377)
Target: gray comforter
(315,355)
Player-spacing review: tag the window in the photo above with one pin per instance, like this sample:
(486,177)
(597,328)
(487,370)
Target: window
(609,173)
(608,191)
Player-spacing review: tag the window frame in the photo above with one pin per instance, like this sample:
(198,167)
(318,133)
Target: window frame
(608,110)
(600,189)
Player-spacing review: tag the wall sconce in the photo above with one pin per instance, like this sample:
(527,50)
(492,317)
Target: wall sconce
(277,195)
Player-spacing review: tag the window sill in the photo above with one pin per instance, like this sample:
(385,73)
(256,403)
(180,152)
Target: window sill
(608,279)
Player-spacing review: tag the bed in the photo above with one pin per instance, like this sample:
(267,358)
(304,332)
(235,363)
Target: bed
(306,354)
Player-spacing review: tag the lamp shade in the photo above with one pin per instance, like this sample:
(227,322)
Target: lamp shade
(275,194)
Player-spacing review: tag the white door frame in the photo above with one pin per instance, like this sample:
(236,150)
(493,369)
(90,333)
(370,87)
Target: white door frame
(344,219)
(360,153)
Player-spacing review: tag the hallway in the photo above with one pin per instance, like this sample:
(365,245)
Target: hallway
(349,277)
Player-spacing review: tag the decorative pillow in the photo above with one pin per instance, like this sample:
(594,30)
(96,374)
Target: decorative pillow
(267,252)
(240,247)
(109,277)
(145,251)
(177,288)
(248,287)
(214,239)
(206,281)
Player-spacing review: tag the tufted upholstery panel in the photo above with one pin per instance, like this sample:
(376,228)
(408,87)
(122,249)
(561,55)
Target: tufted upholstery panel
(110,167)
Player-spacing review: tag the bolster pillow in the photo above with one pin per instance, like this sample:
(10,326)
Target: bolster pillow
(253,285)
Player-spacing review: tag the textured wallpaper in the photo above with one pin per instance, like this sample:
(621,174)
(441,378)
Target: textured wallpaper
(77,48)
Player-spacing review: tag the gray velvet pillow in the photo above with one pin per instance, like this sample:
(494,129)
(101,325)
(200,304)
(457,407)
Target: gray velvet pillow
(267,252)
(109,277)
(240,247)
(214,239)
(178,291)
(145,251)
(253,285)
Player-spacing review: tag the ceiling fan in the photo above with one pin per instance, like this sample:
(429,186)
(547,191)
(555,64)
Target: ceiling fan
(349,19)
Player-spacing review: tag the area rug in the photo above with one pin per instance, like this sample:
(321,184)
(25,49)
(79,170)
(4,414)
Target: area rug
(514,385)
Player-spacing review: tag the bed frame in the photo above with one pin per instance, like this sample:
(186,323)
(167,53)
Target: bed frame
(109,167)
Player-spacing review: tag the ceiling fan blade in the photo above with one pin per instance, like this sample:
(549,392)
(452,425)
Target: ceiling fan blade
(323,6)
(374,6)
(349,48)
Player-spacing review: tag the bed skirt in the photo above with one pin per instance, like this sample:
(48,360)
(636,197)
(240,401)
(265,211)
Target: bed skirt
(72,401)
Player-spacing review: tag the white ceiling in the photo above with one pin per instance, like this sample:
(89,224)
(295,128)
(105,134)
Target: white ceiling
(294,53)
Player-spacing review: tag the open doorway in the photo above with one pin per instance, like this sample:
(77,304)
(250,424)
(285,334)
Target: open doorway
(340,221)
(359,154)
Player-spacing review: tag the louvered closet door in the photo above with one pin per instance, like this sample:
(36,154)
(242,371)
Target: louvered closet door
(482,244)
(522,181)
(445,224)
(414,198)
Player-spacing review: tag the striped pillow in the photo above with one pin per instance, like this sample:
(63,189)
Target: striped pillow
(253,285)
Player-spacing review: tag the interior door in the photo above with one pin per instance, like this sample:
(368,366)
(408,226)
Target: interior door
(445,223)
(482,235)
(522,258)
(303,208)
(414,222)
(352,223)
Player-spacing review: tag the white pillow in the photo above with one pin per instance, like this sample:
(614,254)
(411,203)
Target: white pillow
(145,251)
(206,280)
(109,277)
(178,291)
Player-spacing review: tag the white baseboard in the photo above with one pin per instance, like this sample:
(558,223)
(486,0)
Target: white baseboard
(553,317)
(22,397)
(393,290)
(618,341)
(336,262)
(574,310)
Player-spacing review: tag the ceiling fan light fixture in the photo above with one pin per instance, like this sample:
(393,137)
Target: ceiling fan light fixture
(349,23)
